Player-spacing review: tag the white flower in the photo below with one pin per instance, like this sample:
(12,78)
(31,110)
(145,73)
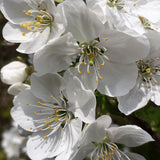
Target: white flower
(98,141)
(120,13)
(12,142)
(148,80)
(50,110)
(13,72)
(104,58)
(31,23)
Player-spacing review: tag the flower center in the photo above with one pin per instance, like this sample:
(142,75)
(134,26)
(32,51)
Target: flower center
(105,150)
(147,70)
(50,116)
(41,19)
(92,56)
(119,4)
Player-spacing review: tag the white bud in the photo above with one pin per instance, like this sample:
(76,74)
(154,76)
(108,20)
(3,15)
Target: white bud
(14,89)
(13,72)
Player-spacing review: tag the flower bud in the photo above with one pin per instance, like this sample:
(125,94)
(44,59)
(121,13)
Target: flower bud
(13,72)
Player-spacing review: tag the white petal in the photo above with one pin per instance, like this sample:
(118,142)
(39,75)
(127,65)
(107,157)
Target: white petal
(23,111)
(118,79)
(34,45)
(82,102)
(16,88)
(123,48)
(96,131)
(129,135)
(135,156)
(81,22)
(13,33)
(88,80)
(137,98)
(15,13)
(13,72)
(71,135)
(57,55)
(39,148)
(46,86)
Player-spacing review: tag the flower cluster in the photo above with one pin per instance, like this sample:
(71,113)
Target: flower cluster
(78,47)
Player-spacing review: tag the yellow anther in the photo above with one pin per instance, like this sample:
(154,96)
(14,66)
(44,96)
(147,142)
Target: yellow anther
(102,64)
(67,120)
(63,129)
(50,128)
(88,72)
(35,113)
(106,38)
(99,50)
(151,74)
(38,102)
(98,69)
(80,72)
(42,11)
(23,34)
(29,12)
(134,4)
(156,82)
(112,147)
(51,96)
(36,122)
(81,63)
(76,67)
(148,70)
(83,52)
(29,28)
(27,103)
(85,63)
(56,119)
(97,42)
(31,128)
(24,12)
(37,23)
(40,111)
(29,23)
(59,110)
(105,153)
(21,24)
(46,117)
(43,104)
(25,25)
(117,147)
(91,157)
(53,107)
(41,129)
(96,80)
(101,77)
(27,119)
(106,50)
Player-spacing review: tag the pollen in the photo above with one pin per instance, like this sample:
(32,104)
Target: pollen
(83,52)
(38,102)
(42,11)
(29,28)
(21,24)
(156,82)
(80,72)
(97,42)
(51,96)
(96,80)
(31,128)
(134,4)
(36,122)
(43,104)
(23,34)
(29,23)
(76,67)
(27,103)
(88,72)
(106,38)
(29,12)
(102,64)
(35,113)
(53,107)
(101,77)
(81,63)
(98,69)
(67,120)
(25,25)
(27,119)
(56,119)
(41,129)
(99,50)
(24,12)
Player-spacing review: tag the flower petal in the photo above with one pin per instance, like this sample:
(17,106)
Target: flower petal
(135,156)
(118,79)
(137,98)
(123,48)
(82,101)
(81,22)
(129,135)
(57,55)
